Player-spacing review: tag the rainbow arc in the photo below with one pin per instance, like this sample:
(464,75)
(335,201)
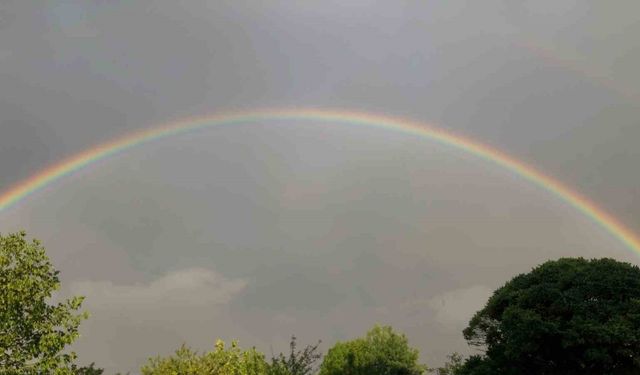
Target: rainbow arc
(86,158)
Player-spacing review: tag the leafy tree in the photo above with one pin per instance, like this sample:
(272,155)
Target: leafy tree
(86,370)
(570,316)
(33,332)
(380,352)
(298,363)
(220,361)
(476,365)
(451,367)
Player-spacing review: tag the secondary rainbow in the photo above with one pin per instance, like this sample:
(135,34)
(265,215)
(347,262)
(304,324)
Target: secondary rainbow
(81,160)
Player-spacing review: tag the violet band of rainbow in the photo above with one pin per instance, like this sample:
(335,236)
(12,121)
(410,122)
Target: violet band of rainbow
(85,158)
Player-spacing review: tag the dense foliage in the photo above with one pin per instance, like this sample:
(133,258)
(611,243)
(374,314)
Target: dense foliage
(234,361)
(33,332)
(570,316)
(222,360)
(452,367)
(380,352)
(299,362)
(87,370)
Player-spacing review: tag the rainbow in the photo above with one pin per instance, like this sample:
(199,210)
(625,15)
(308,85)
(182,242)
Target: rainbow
(83,159)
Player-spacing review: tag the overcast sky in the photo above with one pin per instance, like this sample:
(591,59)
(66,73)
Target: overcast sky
(263,230)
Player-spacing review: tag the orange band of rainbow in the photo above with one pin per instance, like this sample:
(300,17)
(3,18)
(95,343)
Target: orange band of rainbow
(87,157)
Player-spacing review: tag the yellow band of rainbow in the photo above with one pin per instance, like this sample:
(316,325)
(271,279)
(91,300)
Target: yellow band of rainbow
(87,157)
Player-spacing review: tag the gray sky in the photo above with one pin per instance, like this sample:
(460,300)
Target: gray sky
(264,230)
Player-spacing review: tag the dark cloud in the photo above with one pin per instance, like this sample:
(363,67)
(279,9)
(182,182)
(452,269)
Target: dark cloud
(28,149)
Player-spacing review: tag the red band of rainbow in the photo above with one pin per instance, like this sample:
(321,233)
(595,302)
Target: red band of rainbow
(83,159)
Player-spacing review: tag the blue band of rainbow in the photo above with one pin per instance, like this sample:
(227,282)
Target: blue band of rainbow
(81,160)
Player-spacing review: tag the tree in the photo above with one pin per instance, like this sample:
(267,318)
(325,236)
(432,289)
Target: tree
(570,316)
(220,361)
(451,367)
(301,362)
(87,370)
(380,352)
(33,332)
(476,365)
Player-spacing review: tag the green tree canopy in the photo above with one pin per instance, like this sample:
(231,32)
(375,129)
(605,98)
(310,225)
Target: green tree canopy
(33,332)
(222,360)
(87,370)
(380,352)
(570,316)
(451,367)
(299,362)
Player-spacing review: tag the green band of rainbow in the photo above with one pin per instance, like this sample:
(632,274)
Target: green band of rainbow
(87,157)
